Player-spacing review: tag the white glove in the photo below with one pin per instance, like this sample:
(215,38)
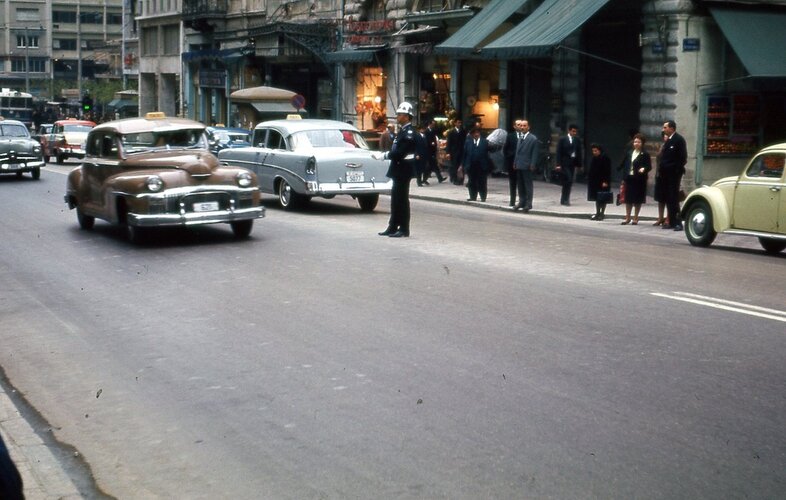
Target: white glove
(378,155)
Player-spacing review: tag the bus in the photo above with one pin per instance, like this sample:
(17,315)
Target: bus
(17,105)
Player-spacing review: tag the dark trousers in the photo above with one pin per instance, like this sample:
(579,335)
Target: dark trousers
(477,184)
(431,166)
(524,184)
(512,181)
(453,171)
(567,184)
(671,181)
(399,205)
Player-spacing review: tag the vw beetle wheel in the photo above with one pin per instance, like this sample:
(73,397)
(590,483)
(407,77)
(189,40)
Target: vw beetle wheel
(698,225)
(771,245)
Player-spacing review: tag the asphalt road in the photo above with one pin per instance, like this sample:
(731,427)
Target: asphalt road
(490,355)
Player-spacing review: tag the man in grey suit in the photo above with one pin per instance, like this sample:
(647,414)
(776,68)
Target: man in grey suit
(524,164)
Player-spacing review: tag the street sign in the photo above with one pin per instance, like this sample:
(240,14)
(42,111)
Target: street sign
(298,101)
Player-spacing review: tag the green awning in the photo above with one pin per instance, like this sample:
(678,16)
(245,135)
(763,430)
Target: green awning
(548,26)
(757,36)
(477,30)
(350,56)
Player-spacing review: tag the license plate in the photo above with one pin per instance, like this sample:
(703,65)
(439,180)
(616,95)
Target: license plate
(206,206)
(356,177)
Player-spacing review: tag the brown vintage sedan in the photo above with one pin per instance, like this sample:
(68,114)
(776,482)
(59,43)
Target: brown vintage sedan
(156,171)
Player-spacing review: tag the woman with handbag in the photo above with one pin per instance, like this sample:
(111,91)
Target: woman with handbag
(598,181)
(635,167)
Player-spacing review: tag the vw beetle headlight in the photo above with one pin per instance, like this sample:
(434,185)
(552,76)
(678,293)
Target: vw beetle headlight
(154,183)
(244,179)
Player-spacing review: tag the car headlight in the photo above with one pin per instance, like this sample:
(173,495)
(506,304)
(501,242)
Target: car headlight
(311,166)
(244,179)
(37,150)
(154,183)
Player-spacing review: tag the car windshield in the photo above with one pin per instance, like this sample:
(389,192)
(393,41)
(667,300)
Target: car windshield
(13,130)
(334,138)
(166,139)
(77,128)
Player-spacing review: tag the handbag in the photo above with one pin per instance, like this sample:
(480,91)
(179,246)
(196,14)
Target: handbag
(621,194)
(604,197)
(681,196)
(460,174)
(555,177)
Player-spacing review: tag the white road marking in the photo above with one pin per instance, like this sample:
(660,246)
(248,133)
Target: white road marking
(726,305)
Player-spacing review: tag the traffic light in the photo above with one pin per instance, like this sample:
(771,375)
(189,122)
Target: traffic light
(87,103)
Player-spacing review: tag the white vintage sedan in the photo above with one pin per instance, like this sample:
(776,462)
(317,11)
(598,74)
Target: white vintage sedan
(299,159)
(752,204)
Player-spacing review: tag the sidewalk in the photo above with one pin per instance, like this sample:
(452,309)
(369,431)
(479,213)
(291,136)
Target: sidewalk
(545,200)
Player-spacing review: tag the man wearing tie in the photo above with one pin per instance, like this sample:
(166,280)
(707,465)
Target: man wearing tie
(568,160)
(475,162)
(524,163)
(509,152)
(671,168)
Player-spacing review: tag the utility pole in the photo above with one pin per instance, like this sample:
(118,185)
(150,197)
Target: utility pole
(79,50)
(27,61)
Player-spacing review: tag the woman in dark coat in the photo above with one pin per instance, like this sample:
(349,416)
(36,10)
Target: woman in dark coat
(635,168)
(598,179)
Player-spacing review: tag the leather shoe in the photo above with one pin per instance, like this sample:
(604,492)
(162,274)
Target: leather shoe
(472,199)
(400,234)
(441,180)
(387,232)
(678,227)
(667,226)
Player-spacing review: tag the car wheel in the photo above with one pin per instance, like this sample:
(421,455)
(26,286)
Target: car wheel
(771,245)
(36,173)
(698,224)
(242,228)
(85,221)
(287,197)
(368,202)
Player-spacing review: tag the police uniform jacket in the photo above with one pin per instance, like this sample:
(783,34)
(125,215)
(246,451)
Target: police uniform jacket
(403,154)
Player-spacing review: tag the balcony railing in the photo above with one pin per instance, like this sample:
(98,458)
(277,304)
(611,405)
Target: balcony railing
(195,9)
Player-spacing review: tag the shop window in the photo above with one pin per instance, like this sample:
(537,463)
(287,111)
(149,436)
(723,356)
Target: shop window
(733,124)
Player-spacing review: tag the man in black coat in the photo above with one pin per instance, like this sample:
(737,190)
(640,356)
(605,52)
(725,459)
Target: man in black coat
(432,144)
(403,160)
(671,168)
(475,162)
(509,153)
(455,148)
(11,487)
(569,159)
(524,163)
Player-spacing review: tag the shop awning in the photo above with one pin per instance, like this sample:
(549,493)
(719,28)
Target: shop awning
(350,56)
(757,37)
(274,107)
(471,36)
(548,26)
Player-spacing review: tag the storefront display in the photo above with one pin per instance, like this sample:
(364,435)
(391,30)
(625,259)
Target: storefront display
(733,124)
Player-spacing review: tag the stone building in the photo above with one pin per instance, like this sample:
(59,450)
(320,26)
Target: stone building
(610,66)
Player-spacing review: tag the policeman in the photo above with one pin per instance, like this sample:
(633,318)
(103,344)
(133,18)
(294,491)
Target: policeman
(401,171)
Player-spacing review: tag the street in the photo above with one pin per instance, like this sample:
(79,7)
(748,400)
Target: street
(490,355)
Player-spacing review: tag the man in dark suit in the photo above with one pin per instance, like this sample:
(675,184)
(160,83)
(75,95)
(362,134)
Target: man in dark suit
(455,148)
(475,162)
(671,168)
(432,145)
(524,164)
(509,153)
(403,159)
(569,159)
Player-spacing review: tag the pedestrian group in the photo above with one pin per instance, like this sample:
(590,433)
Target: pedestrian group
(413,153)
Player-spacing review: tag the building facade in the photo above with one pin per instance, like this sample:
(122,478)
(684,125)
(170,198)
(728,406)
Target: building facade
(52,44)
(613,67)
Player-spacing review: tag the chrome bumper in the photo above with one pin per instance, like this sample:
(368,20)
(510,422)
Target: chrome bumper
(334,188)
(195,218)
(20,167)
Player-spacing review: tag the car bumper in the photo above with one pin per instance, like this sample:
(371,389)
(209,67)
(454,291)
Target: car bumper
(20,167)
(351,188)
(71,152)
(195,218)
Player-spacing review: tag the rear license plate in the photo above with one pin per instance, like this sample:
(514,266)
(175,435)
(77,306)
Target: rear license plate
(206,206)
(356,177)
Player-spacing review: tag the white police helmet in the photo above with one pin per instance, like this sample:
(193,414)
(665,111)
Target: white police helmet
(405,108)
